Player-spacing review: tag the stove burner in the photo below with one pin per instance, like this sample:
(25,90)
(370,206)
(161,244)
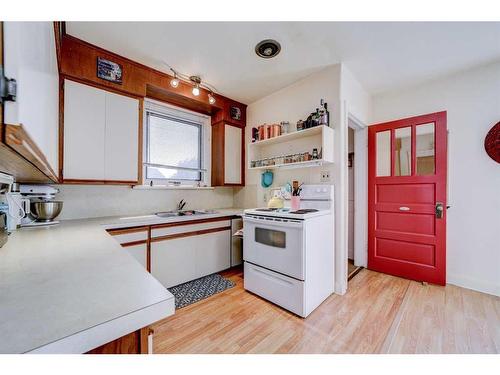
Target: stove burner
(304,211)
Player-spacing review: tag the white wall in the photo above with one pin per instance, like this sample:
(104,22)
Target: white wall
(293,103)
(85,201)
(30,58)
(357,111)
(472,100)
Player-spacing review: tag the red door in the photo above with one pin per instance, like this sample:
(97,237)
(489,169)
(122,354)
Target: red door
(407,198)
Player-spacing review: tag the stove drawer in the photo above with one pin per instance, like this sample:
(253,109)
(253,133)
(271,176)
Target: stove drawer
(275,287)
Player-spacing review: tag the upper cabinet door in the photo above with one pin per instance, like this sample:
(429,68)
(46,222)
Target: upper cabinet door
(30,58)
(233,153)
(121,138)
(84,132)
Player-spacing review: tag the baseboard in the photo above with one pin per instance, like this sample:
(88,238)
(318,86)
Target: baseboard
(474,284)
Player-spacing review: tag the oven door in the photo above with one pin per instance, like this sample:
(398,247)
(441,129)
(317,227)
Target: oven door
(275,243)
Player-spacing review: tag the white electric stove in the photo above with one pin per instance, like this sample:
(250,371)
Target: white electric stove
(289,254)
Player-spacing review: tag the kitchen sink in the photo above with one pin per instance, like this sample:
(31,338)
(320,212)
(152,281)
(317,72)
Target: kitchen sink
(184,213)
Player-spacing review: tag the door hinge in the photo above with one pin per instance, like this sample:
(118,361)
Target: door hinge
(8,88)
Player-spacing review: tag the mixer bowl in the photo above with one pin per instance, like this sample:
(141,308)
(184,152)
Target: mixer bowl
(46,211)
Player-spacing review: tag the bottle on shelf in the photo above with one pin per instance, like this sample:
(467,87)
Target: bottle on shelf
(324,114)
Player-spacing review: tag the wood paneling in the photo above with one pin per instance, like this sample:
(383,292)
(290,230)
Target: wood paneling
(79,61)
(378,314)
(134,343)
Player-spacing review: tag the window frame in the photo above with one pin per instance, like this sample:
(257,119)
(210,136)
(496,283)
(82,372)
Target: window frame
(188,117)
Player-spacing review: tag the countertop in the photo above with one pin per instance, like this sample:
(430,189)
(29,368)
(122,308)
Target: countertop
(69,288)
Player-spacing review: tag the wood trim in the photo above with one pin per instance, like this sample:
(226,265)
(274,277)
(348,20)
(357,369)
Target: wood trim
(58,42)
(143,345)
(148,251)
(119,231)
(100,87)
(134,243)
(61,127)
(97,182)
(141,141)
(189,234)
(135,342)
(189,222)
(17,138)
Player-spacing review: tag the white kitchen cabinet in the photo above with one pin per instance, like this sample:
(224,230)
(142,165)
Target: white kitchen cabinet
(178,260)
(233,154)
(121,138)
(84,132)
(101,135)
(139,252)
(29,57)
(213,252)
(174,261)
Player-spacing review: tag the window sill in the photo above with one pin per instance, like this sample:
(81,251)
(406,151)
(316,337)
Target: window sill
(166,187)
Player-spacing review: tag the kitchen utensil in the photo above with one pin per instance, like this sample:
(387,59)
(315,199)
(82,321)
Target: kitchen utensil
(267,179)
(295,203)
(46,211)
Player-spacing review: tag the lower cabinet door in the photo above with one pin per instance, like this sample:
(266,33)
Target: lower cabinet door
(138,252)
(213,252)
(176,261)
(173,261)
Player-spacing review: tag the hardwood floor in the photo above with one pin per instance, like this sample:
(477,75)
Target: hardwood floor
(379,314)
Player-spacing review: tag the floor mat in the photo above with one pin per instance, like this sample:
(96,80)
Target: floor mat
(196,290)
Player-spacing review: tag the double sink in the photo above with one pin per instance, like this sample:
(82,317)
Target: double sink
(184,213)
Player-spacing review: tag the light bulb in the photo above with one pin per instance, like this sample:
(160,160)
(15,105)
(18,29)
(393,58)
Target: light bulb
(174,82)
(211,99)
(196,91)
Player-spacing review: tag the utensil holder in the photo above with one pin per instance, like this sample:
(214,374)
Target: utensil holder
(295,203)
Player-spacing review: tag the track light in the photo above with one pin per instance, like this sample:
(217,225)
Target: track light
(211,98)
(196,90)
(174,82)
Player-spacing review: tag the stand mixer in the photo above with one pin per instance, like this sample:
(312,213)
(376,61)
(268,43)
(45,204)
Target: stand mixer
(43,209)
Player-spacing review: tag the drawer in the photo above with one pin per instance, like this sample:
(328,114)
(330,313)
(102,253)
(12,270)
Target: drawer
(275,287)
(166,231)
(129,235)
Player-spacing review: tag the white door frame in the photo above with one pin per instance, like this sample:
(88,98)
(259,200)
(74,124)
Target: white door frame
(360,190)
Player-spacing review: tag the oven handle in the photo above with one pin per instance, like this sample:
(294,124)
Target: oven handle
(273,221)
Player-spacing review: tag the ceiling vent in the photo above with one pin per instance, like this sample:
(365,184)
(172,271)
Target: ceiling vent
(267,48)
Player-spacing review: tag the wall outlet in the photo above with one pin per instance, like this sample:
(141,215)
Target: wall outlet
(325,176)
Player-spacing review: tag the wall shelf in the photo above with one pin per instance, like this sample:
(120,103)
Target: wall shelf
(300,164)
(293,135)
(298,142)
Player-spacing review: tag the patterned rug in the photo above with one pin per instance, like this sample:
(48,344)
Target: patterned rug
(196,290)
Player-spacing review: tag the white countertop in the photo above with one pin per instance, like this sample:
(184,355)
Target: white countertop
(69,288)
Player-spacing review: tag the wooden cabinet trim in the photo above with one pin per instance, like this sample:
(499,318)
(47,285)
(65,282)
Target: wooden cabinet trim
(135,342)
(189,234)
(97,182)
(189,222)
(134,243)
(20,141)
(118,231)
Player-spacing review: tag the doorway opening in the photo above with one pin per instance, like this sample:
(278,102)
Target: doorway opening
(353,267)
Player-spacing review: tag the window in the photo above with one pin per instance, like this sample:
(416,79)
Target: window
(175,146)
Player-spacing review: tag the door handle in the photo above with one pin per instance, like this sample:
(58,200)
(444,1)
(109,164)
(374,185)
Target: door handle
(404,208)
(439,210)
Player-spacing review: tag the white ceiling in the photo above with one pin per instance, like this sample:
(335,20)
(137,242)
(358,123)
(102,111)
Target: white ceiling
(382,55)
